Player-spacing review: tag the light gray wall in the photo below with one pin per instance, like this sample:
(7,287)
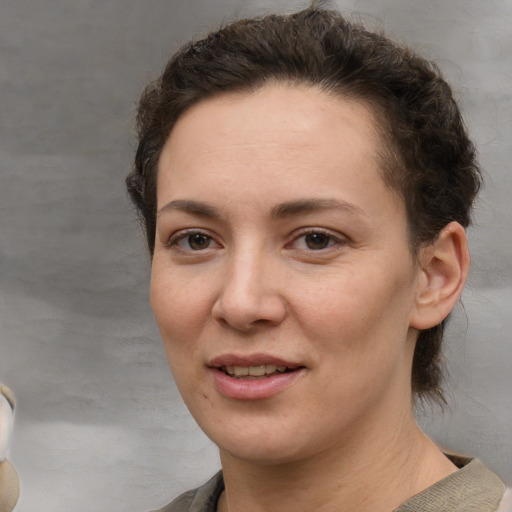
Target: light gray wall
(100,425)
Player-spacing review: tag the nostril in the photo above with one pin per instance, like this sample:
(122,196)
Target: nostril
(249,297)
(239,325)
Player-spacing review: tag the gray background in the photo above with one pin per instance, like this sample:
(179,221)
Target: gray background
(100,425)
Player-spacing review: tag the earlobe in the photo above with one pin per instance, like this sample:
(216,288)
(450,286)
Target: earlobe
(444,269)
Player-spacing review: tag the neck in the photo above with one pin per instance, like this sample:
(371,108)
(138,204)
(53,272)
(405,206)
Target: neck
(367,471)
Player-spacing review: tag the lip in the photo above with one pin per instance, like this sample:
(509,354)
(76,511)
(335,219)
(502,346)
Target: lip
(250,360)
(253,389)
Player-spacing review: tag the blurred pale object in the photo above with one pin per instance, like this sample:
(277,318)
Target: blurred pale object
(9,481)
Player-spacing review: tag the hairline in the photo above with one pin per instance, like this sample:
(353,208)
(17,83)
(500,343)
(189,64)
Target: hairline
(387,153)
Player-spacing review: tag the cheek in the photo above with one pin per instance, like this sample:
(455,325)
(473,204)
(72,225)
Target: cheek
(179,316)
(356,309)
(181,308)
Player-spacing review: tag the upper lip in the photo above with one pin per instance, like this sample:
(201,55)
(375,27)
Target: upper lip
(250,360)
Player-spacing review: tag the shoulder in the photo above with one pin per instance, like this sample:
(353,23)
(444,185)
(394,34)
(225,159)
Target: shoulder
(473,487)
(180,504)
(202,499)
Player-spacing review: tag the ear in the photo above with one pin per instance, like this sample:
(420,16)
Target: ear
(444,269)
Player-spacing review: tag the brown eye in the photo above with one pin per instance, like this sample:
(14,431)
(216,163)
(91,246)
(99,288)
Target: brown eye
(193,241)
(316,241)
(198,241)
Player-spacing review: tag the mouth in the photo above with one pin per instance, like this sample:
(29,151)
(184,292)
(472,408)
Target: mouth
(261,371)
(253,377)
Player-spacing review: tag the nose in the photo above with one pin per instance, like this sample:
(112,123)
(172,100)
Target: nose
(250,295)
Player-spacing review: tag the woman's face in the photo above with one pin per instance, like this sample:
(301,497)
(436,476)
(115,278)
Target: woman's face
(282,280)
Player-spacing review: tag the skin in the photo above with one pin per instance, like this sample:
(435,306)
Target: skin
(276,235)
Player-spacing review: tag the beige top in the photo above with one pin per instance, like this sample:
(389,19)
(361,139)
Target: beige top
(473,488)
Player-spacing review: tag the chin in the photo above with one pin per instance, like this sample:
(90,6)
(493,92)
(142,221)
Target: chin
(267,445)
(262,455)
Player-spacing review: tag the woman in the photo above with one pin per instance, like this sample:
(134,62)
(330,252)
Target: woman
(305,186)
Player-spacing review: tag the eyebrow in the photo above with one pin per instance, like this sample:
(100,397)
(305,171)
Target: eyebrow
(302,206)
(197,208)
(287,209)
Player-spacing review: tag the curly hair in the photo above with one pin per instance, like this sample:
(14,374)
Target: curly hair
(427,157)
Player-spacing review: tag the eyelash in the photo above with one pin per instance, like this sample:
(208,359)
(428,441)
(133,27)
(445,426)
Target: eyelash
(332,240)
(329,239)
(176,238)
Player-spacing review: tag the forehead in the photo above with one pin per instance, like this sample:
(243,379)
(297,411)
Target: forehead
(276,118)
(279,143)
(281,106)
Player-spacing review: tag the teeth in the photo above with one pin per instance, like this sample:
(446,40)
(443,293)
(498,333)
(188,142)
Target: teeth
(253,371)
(257,371)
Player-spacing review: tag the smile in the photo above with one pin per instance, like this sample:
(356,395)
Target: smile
(248,372)
(253,377)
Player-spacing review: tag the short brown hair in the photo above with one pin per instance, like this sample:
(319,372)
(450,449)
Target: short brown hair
(429,160)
